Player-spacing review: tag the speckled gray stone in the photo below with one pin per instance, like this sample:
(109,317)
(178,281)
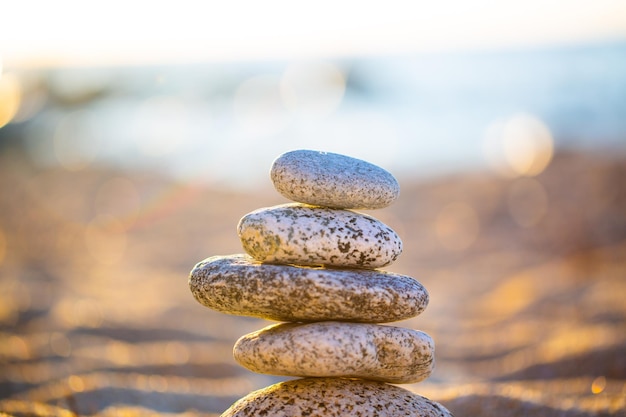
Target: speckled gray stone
(337,349)
(335,397)
(333,180)
(237,284)
(306,235)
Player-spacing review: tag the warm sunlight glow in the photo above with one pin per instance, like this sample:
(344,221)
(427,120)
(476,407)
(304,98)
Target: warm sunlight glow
(10,97)
(528,145)
(598,385)
(32,100)
(510,297)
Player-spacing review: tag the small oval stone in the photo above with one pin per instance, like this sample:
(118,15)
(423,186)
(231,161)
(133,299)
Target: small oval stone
(333,180)
(307,235)
(237,284)
(337,349)
(335,397)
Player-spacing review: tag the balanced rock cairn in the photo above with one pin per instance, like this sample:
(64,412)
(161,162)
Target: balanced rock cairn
(313,266)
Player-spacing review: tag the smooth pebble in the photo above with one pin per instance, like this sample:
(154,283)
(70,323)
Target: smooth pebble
(333,180)
(336,349)
(306,235)
(335,397)
(237,284)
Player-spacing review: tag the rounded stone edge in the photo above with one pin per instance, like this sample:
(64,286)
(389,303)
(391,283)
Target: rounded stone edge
(387,193)
(222,269)
(258,239)
(391,354)
(335,397)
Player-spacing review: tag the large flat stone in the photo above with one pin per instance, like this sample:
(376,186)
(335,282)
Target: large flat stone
(336,349)
(307,235)
(335,397)
(239,285)
(333,180)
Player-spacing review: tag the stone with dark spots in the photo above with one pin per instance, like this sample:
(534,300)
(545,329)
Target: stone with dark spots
(237,284)
(337,349)
(335,397)
(333,180)
(307,235)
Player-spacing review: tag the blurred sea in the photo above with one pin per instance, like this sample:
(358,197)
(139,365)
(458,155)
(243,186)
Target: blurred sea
(417,115)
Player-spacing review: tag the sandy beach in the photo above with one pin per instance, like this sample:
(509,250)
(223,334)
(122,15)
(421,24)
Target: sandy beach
(527,283)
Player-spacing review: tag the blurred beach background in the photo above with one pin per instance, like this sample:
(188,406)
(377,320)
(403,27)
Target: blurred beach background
(133,136)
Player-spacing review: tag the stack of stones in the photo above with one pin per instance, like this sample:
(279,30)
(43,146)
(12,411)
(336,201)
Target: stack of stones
(313,265)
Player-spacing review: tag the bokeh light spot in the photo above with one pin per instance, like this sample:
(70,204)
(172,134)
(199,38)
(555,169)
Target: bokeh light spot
(75,143)
(457,226)
(598,385)
(10,98)
(519,146)
(105,238)
(527,201)
(157,383)
(76,383)
(17,348)
(60,344)
(312,90)
(118,353)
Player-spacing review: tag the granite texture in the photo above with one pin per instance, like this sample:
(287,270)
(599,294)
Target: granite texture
(334,397)
(337,349)
(307,235)
(333,180)
(237,284)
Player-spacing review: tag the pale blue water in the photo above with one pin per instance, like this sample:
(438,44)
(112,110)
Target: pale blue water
(415,115)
